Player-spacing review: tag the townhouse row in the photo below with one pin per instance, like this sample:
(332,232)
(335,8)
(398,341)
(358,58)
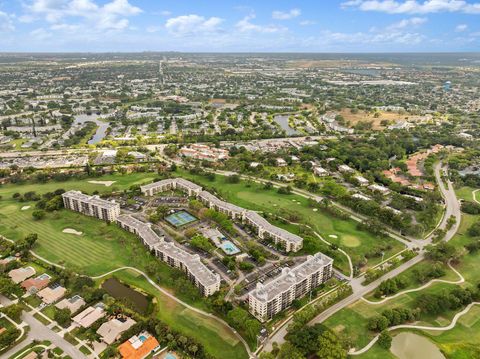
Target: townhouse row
(262,228)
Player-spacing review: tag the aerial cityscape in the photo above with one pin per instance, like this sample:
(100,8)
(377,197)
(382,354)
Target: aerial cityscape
(273,180)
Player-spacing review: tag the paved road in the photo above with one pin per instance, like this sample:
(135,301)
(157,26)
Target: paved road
(452,209)
(39,331)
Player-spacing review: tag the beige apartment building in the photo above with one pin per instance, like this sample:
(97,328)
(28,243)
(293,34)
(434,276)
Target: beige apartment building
(264,229)
(92,206)
(268,299)
(204,279)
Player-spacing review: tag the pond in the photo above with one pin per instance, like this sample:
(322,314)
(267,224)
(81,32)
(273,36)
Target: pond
(101,130)
(123,293)
(413,346)
(282,120)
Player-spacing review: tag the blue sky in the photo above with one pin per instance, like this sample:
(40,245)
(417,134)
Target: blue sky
(226,25)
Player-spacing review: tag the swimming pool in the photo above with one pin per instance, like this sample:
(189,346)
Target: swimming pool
(180,218)
(142,338)
(229,248)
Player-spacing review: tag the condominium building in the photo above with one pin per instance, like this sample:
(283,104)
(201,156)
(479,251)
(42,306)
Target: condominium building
(203,278)
(229,209)
(264,229)
(207,281)
(268,299)
(188,187)
(92,206)
(143,230)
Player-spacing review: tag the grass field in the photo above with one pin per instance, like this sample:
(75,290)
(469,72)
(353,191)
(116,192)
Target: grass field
(98,250)
(466,193)
(346,235)
(103,247)
(218,340)
(121,182)
(362,116)
(460,342)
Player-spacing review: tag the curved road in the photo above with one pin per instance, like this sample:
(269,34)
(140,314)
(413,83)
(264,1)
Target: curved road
(452,209)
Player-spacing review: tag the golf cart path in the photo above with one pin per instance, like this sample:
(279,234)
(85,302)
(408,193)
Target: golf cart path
(420,327)
(474,195)
(426,285)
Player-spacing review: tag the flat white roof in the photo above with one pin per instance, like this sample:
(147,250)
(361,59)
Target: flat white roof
(289,277)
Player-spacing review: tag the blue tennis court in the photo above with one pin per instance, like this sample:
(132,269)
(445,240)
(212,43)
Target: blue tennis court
(180,218)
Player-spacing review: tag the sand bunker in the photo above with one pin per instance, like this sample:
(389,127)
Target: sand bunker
(24,208)
(333,236)
(72,231)
(315,209)
(105,183)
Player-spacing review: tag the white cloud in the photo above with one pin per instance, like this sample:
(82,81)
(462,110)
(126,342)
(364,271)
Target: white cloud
(408,23)
(307,22)
(40,34)
(152,29)
(286,15)
(399,33)
(461,28)
(190,24)
(245,25)
(6,23)
(110,16)
(414,6)
(380,37)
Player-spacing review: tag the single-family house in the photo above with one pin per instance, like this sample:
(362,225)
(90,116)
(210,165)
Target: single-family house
(111,330)
(20,274)
(73,304)
(52,293)
(362,181)
(90,315)
(379,188)
(320,171)
(139,346)
(345,169)
(33,285)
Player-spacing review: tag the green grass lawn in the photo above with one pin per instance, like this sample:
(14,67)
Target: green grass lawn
(343,233)
(465,193)
(460,342)
(217,339)
(121,182)
(98,250)
(29,348)
(4,323)
(103,247)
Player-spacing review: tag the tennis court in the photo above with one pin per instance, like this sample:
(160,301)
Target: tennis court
(180,218)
